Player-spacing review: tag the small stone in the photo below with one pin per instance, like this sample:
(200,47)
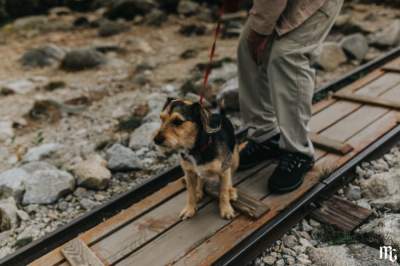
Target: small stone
(24,238)
(305,243)
(22,86)
(355,45)
(303,259)
(6,131)
(23,215)
(12,183)
(306,227)
(41,152)
(353,192)
(121,158)
(289,241)
(8,214)
(389,36)
(110,28)
(155,18)
(92,173)
(187,7)
(88,204)
(280,262)
(81,59)
(269,260)
(193,30)
(330,57)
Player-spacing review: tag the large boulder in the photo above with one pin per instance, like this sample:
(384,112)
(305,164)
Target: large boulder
(389,36)
(128,9)
(81,59)
(383,189)
(92,173)
(355,46)
(330,56)
(121,158)
(354,255)
(46,55)
(46,184)
(143,135)
(382,231)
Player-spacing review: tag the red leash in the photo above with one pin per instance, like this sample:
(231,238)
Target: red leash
(212,53)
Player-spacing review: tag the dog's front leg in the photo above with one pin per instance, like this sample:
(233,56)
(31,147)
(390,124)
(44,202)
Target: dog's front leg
(226,193)
(191,201)
(200,188)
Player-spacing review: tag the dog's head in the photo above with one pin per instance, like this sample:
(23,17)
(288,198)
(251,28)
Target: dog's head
(181,121)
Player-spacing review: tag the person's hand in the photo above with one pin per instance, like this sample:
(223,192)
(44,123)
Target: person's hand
(257,44)
(231,6)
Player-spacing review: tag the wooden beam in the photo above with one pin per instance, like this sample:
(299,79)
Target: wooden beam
(367,100)
(245,203)
(77,253)
(330,145)
(341,213)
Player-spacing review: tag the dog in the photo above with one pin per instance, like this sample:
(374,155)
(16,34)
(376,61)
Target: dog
(208,150)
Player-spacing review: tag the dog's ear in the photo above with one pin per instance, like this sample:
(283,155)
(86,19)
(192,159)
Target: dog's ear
(167,103)
(209,122)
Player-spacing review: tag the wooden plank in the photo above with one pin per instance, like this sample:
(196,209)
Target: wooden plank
(393,66)
(245,203)
(224,240)
(78,254)
(188,234)
(142,230)
(341,213)
(368,100)
(318,107)
(330,145)
(108,226)
(340,109)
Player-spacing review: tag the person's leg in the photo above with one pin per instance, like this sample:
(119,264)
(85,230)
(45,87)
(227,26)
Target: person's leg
(254,95)
(256,108)
(292,83)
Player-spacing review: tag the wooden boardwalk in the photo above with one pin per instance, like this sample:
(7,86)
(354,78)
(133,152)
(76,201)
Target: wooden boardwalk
(150,232)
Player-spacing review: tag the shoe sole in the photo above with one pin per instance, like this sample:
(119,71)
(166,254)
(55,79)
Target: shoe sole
(282,190)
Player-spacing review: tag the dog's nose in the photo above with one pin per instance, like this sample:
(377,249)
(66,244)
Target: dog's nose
(159,139)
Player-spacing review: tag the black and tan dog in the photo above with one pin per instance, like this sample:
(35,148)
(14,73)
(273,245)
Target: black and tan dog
(208,150)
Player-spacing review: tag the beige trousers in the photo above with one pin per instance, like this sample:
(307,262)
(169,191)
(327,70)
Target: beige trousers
(276,92)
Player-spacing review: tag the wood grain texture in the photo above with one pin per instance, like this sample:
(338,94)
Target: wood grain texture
(78,254)
(368,100)
(330,145)
(341,213)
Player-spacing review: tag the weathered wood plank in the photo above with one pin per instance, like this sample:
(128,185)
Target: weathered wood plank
(139,232)
(341,213)
(244,204)
(363,99)
(216,246)
(330,145)
(78,254)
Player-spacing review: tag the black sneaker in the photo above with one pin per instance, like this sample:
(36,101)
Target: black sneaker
(290,172)
(254,153)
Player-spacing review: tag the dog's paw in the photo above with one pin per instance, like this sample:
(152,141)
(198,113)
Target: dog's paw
(233,194)
(187,212)
(227,212)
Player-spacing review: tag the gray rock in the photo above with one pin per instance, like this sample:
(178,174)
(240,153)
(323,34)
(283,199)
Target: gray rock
(88,204)
(6,130)
(129,9)
(382,231)
(81,59)
(22,86)
(8,214)
(41,152)
(110,28)
(289,241)
(383,189)
(280,262)
(24,238)
(354,255)
(12,183)
(143,135)
(389,36)
(46,55)
(353,192)
(156,17)
(229,95)
(187,7)
(303,259)
(93,173)
(356,46)
(330,56)
(46,184)
(306,227)
(121,158)
(269,260)
(156,102)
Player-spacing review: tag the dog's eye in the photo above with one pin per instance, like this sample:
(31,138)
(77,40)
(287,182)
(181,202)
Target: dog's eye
(177,122)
